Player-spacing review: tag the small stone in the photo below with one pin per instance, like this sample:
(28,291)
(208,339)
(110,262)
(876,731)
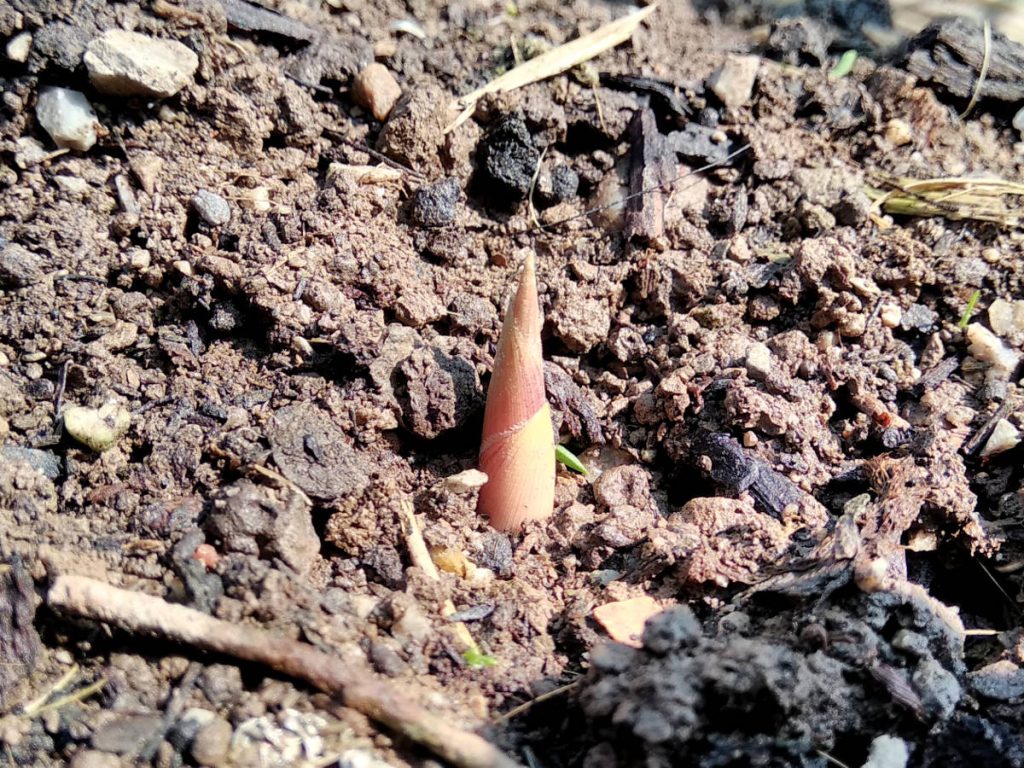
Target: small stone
(44,462)
(97,428)
(68,117)
(1001,680)
(19,46)
(898,132)
(75,186)
(92,758)
(19,267)
(624,620)
(991,255)
(733,82)
(376,89)
(558,186)
(759,361)
(211,744)
(414,131)
(464,482)
(920,318)
(124,63)
(1006,318)
(127,732)
(890,315)
(1018,120)
(985,346)
(853,326)
(139,259)
(147,167)
(211,208)
(57,45)
(1004,437)
(887,752)
(435,205)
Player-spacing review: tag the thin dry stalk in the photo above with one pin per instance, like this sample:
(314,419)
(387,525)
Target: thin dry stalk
(957,198)
(986,32)
(420,557)
(378,699)
(554,62)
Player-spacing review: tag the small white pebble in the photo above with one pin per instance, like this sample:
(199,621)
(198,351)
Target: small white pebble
(183,267)
(890,315)
(985,346)
(759,361)
(887,752)
(68,117)
(853,325)
(898,132)
(19,46)
(1004,437)
(139,259)
(991,255)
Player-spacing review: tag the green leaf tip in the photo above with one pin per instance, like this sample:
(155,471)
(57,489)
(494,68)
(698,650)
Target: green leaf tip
(477,659)
(844,66)
(564,456)
(971,304)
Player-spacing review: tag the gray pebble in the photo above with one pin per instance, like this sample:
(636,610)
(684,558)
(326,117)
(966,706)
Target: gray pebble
(19,267)
(1002,681)
(212,742)
(45,462)
(126,733)
(918,317)
(211,208)
(436,204)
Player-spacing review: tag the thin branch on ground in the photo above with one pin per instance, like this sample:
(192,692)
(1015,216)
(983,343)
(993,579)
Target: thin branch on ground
(381,700)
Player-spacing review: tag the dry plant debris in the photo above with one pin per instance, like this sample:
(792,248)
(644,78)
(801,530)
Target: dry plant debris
(555,61)
(388,704)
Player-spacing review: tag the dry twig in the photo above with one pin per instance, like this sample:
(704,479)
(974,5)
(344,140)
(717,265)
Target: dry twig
(381,700)
(420,557)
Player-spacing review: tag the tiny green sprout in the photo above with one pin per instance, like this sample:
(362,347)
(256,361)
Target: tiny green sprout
(477,659)
(564,456)
(971,304)
(844,66)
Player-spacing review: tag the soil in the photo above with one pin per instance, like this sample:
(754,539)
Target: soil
(784,422)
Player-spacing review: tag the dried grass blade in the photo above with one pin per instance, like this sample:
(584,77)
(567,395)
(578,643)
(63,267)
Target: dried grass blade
(555,61)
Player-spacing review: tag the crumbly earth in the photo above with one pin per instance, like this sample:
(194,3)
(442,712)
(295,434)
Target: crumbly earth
(766,376)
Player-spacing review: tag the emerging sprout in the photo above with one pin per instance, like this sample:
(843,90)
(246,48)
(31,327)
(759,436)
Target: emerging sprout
(518,448)
(564,456)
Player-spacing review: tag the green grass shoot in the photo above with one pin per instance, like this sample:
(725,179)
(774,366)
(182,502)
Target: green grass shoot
(971,304)
(477,659)
(844,66)
(564,456)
